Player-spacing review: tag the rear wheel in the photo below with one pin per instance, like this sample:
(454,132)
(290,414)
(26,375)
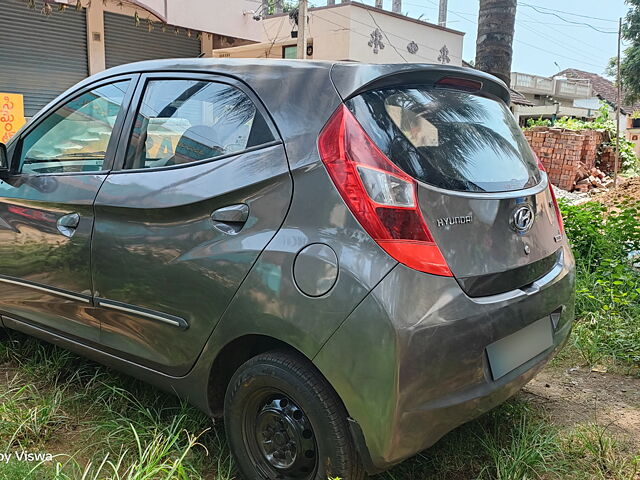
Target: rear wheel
(284,421)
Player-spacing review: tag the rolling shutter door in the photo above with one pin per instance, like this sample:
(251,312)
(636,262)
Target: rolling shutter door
(125,42)
(40,56)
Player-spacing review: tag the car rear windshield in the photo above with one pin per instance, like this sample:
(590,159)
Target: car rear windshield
(447,138)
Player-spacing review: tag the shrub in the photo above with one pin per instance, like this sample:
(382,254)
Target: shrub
(608,288)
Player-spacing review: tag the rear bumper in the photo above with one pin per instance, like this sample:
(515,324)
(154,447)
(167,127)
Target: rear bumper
(410,362)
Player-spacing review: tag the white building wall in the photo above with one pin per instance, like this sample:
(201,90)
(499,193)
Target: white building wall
(343,32)
(224,17)
(95,37)
(592,103)
(329,29)
(329,33)
(397,34)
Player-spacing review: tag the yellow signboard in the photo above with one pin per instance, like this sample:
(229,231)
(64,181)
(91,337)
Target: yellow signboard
(11,115)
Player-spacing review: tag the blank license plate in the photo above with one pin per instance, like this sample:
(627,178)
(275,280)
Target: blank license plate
(510,352)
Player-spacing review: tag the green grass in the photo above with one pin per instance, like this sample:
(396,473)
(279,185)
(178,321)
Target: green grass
(512,442)
(101,425)
(598,454)
(518,441)
(29,415)
(20,470)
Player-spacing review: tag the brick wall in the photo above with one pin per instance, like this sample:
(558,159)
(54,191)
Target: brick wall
(564,152)
(607,160)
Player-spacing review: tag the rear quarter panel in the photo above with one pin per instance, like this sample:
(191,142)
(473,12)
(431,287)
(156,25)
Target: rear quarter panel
(269,302)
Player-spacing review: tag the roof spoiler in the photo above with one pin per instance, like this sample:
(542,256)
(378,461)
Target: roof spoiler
(351,79)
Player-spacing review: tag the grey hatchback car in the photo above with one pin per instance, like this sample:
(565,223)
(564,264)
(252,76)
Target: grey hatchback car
(344,261)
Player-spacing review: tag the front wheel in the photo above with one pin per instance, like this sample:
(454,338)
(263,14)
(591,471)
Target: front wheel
(284,421)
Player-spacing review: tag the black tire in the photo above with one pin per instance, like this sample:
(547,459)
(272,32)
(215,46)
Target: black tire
(284,421)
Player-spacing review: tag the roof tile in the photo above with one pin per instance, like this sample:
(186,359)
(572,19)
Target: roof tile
(602,87)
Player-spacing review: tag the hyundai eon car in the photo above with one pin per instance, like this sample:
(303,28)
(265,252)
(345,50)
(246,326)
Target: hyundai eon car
(343,261)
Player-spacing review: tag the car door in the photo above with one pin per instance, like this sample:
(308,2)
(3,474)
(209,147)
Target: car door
(46,208)
(204,186)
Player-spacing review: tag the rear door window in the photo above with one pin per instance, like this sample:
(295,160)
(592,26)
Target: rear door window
(447,138)
(183,121)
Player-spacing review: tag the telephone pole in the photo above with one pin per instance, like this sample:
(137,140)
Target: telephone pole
(442,13)
(301,49)
(618,101)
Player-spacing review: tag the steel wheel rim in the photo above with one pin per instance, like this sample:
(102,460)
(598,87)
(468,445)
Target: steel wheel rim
(279,437)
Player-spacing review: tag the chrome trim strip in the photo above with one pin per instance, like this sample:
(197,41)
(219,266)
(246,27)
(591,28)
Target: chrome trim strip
(40,288)
(534,190)
(160,317)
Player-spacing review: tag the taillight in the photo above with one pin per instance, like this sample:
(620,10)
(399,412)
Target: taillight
(553,196)
(558,214)
(458,83)
(382,197)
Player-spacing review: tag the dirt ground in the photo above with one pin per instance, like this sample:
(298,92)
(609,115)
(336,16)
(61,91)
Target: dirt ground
(627,188)
(579,395)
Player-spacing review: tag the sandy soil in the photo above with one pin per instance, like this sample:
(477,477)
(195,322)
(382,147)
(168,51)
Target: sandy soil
(579,395)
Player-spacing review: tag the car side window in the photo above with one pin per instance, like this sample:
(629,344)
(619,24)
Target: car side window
(183,121)
(75,137)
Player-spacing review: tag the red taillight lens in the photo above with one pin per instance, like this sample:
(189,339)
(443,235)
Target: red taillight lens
(459,84)
(382,197)
(558,214)
(553,196)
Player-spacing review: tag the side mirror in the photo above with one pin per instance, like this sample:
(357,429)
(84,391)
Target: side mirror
(4,161)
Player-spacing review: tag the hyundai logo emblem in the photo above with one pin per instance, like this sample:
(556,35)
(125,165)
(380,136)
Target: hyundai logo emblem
(523,219)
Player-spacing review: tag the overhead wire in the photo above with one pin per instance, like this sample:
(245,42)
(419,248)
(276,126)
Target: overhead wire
(584,62)
(387,37)
(537,9)
(267,52)
(574,14)
(557,54)
(563,34)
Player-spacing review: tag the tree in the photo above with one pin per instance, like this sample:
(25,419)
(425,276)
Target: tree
(494,44)
(630,63)
(271,7)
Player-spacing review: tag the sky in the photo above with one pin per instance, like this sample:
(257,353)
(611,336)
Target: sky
(541,40)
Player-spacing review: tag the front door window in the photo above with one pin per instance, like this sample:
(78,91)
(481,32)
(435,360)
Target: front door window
(75,137)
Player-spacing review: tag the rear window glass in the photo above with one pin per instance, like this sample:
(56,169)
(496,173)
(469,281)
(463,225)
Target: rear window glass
(448,138)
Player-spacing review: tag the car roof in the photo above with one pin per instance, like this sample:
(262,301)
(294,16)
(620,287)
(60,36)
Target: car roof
(238,67)
(349,78)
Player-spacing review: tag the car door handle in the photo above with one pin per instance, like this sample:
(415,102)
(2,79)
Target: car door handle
(67,224)
(230,219)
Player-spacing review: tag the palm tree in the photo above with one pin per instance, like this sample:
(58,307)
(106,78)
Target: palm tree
(496,21)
